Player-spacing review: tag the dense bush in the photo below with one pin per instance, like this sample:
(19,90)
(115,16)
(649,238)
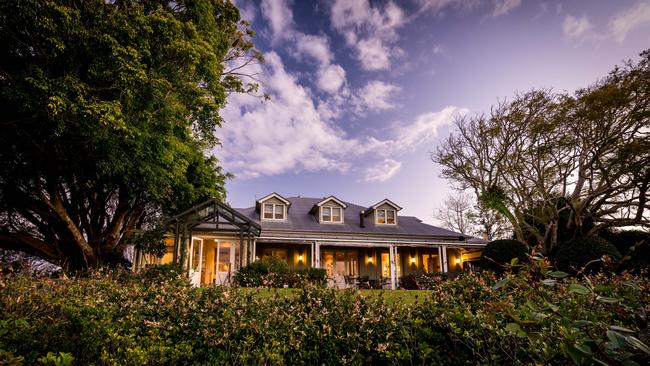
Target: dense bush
(575,254)
(634,246)
(498,253)
(275,272)
(419,280)
(532,317)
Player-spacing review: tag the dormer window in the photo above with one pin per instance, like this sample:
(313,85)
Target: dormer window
(273,211)
(386,217)
(273,207)
(385,212)
(330,210)
(331,214)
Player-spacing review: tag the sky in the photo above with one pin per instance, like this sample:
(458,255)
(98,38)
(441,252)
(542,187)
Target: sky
(363,91)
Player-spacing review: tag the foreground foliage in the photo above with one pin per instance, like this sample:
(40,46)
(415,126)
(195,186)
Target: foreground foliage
(275,272)
(534,316)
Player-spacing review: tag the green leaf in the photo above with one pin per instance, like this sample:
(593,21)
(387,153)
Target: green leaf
(583,348)
(621,329)
(580,289)
(634,342)
(549,282)
(608,300)
(558,274)
(513,328)
(500,284)
(581,323)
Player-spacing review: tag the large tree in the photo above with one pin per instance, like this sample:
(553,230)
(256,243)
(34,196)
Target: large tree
(460,212)
(552,162)
(107,108)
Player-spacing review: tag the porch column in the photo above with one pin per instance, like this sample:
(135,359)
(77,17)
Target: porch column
(254,250)
(312,245)
(317,255)
(393,269)
(445,265)
(249,250)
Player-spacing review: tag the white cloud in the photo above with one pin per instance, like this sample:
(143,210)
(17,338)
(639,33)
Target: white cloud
(625,22)
(316,47)
(278,14)
(370,31)
(330,78)
(382,171)
(376,95)
(502,7)
(291,133)
(576,28)
(286,133)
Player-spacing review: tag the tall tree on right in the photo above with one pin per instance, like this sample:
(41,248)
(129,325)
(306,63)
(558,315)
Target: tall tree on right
(554,162)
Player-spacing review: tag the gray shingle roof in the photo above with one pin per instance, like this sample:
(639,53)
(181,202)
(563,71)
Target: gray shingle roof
(299,219)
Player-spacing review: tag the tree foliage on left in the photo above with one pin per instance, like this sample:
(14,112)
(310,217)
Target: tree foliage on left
(108,108)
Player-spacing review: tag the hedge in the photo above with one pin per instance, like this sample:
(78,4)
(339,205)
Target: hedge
(499,253)
(535,316)
(572,256)
(275,272)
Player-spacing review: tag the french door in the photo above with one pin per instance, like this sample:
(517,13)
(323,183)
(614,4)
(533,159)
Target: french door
(225,261)
(196,261)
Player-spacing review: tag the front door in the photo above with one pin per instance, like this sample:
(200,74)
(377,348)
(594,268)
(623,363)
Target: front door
(196,261)
(224,261)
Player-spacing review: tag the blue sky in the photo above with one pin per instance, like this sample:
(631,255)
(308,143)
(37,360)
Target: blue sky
(362,91)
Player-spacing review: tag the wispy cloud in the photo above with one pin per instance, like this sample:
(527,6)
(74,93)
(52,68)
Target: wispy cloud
(376,95)
(577,28)
(502,7)
(292,133)
(370,30)
(382,171)
(628,20)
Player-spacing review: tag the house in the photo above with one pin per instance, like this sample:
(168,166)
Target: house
(213,240)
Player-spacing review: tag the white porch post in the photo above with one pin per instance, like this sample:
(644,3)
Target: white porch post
(254,250)
(440,259)
(312,245)
(445,265)
(393,269)
(317,255)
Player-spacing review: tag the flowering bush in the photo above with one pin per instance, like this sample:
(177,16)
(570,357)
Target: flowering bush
(275,272)
(533,316)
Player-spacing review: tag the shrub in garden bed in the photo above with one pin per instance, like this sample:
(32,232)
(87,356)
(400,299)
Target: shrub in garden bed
(577,253)
(534,316)
(499,253)
(275,272)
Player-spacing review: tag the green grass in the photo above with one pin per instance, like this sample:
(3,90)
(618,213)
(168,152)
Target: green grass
(390,296)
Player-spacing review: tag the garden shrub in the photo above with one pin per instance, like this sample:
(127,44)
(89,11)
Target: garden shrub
(634,246)
(420,280)
(275,272)
(534,316)
(575,254)
(498,253)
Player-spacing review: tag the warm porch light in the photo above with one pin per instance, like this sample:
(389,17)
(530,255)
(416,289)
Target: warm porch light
(300,258)
(369,260)
(412,260)
(457,260)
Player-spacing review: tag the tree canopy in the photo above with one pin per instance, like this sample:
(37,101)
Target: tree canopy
(575,163)
(108,108)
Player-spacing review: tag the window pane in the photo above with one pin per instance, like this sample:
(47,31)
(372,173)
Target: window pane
(279,212)
(268,211)
(391,216)
(327,213)
(381,216)
(336,214)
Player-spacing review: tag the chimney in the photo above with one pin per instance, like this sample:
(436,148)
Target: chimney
(361,218)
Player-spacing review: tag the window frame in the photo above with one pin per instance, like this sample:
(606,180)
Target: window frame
(385,212)
(274,211)
(331,215)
